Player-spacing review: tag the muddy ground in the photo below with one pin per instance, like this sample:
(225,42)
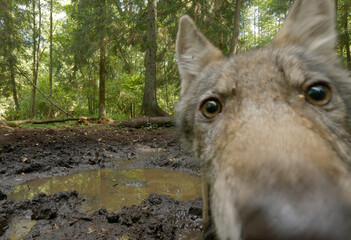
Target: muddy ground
(27,154)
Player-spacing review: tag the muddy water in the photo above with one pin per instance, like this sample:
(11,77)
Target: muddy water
(19,227)
(113,189)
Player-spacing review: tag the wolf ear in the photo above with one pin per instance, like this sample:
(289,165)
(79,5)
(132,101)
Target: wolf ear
(193,52)
(311,24)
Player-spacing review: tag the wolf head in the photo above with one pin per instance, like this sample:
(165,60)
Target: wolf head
(272,129)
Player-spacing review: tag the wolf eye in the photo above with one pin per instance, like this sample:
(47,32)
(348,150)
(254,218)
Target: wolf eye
(211,108)
(318,94)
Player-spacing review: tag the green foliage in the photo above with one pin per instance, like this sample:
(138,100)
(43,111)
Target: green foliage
(77,28)
(51,125)
(150,126)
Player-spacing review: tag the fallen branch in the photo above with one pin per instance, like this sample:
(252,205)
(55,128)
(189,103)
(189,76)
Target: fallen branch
(47,98)
(132,123)
(81,119)
(146,122)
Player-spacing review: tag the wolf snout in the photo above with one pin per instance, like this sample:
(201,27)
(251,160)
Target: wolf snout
(275,217)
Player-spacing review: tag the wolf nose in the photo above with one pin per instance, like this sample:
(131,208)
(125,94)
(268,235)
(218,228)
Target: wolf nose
(309,219)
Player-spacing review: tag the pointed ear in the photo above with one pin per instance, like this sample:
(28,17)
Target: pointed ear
(311,24)
(193,52)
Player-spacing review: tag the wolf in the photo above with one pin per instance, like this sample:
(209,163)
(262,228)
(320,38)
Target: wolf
(272,130)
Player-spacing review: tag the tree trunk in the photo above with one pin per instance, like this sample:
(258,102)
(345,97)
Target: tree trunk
(50,67)
(9,50)
(31,115)
(146,122)
(166,85)
(36,48)
(150,106)
(13,83)
(102,108)
(195,8)
(27,79)
(255,24)
(235,41)
(346,32)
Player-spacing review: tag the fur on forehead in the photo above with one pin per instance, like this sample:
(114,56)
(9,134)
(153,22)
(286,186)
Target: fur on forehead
(311,24)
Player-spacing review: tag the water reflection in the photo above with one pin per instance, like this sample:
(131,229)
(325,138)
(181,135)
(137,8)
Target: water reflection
(19,227)
(113,189)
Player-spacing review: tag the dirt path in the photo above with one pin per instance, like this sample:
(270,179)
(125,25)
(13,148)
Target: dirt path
(27,154)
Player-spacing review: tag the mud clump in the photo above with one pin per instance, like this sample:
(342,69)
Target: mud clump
(158,217)
(42,207)
(3,196)
(28,154)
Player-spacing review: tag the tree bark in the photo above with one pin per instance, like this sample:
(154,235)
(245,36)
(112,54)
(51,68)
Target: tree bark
(80,119)
(102,91)
(13,83)
(146,122)
(195,8)
(150,106)
(346,32)
(36,48)
(31,115)
(11,58)
(51,63)
(235,40)
(133,123)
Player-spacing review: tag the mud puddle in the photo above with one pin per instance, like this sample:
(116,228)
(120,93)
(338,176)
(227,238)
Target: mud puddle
(114,189)
(19,227)
(26,154)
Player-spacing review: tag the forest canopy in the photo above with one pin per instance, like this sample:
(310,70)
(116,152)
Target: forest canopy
(115,58)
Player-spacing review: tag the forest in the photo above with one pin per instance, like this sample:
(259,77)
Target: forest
(87,62)
(115,58)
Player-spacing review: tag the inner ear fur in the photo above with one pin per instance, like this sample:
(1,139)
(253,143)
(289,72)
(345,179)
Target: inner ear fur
(193,51)
(311,24)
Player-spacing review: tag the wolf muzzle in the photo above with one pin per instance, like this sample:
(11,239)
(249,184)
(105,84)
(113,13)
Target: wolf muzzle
(275,217)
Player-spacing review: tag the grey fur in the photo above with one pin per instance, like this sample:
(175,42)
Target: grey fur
(269,147)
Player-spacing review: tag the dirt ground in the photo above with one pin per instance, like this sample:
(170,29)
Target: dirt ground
(27,154)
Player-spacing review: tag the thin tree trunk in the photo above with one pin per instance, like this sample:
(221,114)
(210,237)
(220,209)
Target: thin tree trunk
(166,85)
(51,63)
(31,115)
(92,94)
(13,83)
(195,9)
(38,41)
(347,36)
(339,43)
(102,108)
(36,49)
(235,41)
(150,106)
(47,98)
(11,58)
(254,29)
